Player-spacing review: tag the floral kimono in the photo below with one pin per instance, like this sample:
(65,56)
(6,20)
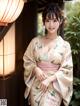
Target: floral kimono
(55,60)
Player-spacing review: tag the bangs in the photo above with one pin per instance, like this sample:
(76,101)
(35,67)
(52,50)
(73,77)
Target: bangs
(50,15)
(52,11)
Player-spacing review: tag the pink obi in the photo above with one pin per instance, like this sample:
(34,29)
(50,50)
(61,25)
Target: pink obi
(47,66)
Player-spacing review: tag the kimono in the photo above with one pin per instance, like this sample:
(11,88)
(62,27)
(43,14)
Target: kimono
(55,60)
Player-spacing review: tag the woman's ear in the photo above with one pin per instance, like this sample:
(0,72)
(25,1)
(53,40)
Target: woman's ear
(61,21)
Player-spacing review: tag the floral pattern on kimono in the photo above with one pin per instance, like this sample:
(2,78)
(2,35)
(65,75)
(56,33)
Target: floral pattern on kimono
(59,54)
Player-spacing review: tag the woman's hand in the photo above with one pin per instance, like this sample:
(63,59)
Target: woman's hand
(44,84)
(40,75)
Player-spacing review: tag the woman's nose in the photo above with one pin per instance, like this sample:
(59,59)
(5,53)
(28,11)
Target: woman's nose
(51,23)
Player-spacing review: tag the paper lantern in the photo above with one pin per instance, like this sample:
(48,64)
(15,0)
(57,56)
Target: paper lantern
(7,52)
(10,10)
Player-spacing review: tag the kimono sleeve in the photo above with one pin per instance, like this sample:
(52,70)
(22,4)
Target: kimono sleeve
(29,65)
(64,82)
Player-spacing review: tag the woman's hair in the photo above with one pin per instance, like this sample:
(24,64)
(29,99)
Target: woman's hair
(50,11)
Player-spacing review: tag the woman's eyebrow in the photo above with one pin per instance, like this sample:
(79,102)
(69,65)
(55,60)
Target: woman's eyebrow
(51,18)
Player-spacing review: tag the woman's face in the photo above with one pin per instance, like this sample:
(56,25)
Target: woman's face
(52,24)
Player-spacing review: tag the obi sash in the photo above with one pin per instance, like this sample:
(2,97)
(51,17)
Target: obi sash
(48,66)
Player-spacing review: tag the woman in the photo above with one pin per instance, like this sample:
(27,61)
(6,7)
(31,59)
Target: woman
(48,64)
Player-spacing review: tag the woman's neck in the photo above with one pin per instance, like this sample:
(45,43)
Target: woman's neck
(51,36)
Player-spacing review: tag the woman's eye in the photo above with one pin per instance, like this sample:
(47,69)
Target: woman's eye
(55,20)
(47,20)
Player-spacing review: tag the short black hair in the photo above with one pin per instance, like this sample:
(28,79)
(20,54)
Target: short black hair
(50,10)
